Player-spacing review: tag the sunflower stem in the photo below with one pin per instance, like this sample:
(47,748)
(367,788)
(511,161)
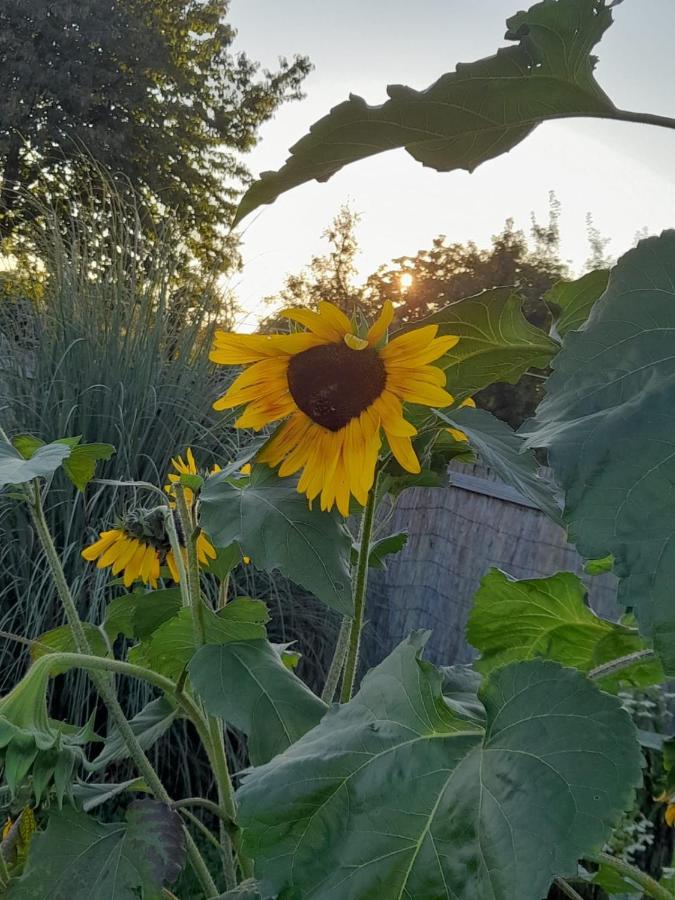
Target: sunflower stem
(218,756)
(338,661)
(360,584)
(647,884)
(105,687)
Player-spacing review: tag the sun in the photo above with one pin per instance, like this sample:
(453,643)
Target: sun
(405,281)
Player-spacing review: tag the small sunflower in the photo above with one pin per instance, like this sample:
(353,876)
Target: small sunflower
(138,546)
(336,391)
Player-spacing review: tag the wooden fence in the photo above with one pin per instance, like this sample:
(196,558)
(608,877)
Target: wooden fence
(455,535)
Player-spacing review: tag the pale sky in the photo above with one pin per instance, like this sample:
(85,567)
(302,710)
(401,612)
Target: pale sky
(623,174)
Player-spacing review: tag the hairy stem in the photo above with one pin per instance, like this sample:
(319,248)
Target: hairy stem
(623,662)
(567,889)
(194,593)
(646,882)
(360,584)
(106,689)
(338,661)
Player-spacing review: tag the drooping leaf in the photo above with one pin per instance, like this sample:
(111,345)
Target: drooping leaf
(547,617)
(138,614)
(502,450)
(496,342)
(90,794)
(571,301)
(274,525)
(79,858)
(397,795)
(62,640)
(148,725)
(14,469)
(477,112)
(246,684)
(171,646)
(607,421)
(226,559)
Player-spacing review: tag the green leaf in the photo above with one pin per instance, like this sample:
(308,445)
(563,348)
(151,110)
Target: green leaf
(607,421)
(274,525)
(496,342)
(502,450)
(245,890)
(599,566)
(138,614)
(226,559)
(247,684)
(571,301)
(148,725)
(547,617)
(171,646)
(27,444)
(14,469)
(80,466)
(62,640)
(89,794)
(386,546)
(476,113)
(78,858)
(396,795)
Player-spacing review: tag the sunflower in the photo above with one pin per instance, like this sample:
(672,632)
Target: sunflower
(137,547)
(337,392)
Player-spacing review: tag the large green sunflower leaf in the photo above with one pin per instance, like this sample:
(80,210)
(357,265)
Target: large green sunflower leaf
(138,614)
(502,450)
(274,525)
(607,421)
(169,648)
(79,858)
(398,795)
(571,301)
(79,465)
(547,617)
(247,684)
(45,460)
(468,116)
(496,342)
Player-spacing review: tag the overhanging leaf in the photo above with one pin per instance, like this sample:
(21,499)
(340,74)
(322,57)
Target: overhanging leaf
(397,795)
(78,858)
(503,451)
(607,421)
(571,301)
(274,525)
(496,342)
(384,547)
(247,684)
(90,794)
(14,469)
(80,466)
(468,116)
(62,640)
(547,617)
(138,614)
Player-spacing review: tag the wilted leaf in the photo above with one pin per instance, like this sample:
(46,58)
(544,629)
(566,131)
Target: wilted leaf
(547,617)
(607,421)
(14,469)
(479,111)
(78,858)
(502,450)
(247,684)
(274,525)
(148,725)
(397,795)
(89,794)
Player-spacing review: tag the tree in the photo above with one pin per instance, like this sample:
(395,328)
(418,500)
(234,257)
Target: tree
(151,91)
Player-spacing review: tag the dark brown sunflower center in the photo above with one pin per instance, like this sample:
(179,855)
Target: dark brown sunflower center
(333,384)
(148,526)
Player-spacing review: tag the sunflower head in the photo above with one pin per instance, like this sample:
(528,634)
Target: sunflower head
(338,392)
(137,547)
(187,466)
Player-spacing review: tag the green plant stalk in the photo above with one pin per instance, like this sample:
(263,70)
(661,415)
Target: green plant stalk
(622,662)
(106,689)
(360,584)
(4,871)
(338,661)
(191,588)
(646,882)
(567,889)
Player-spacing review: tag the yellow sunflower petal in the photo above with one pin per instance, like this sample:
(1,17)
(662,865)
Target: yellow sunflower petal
(263,412)
(171,565)
(469,402)
(133,568)
(114,550)
(404,453)
(191,461)
(391,415)
(245,469)
(379,327)
(233,349)
(335,316)
(106,538)
(457,435)
(424,394)
(418,347)
(670,814)
(320,325)
(130,547)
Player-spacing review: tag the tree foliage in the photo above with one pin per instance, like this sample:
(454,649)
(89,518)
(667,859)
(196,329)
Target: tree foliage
(152,91)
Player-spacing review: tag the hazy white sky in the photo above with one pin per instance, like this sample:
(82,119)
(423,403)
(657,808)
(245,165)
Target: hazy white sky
(623,174)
